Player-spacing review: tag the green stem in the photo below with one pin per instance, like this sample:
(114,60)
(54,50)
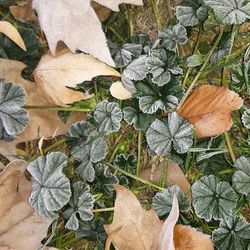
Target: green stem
(207,59)
(58,108)
(99,210)
(226,171)
(138,166)
(164,173)
(55,145)
(230,146)
(134,177)
(156,13)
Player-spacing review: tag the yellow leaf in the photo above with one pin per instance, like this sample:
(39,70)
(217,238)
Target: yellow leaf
(119,92)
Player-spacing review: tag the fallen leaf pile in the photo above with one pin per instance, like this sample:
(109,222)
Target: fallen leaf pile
(135,228)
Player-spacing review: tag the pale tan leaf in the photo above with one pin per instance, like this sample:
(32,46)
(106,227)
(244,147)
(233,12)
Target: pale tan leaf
(113,4)
(53,74)
(102,12)
(119,92)
(20,227)
(23,11)
(209,109)
(42,122)
(11,32)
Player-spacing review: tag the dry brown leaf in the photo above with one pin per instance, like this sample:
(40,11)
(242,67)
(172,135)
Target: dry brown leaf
(102,12)
(76,24)
(53,74)
(11,32)
(20,227)
(135,228)
(119,92)
(23,11)
(43,122)
(175,176)
(209,109)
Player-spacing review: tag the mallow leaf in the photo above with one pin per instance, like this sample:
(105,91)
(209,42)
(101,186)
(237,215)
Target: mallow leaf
(233,233)
(162,201)
(187,12)
(171,38)
(13,118)
(230,11)
(87,147)
(126,162)
(162,65)
(241,177)
(174,133)
(81,203)
(213,199)
(109,116)
(194,60)
(152,97)
(246,118)
(50,187)
(128,84)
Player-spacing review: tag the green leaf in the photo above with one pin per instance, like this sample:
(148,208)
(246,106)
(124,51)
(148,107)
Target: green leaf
(232,234)
(162,65)
(230,11)
(128,84)
(87,147)
(238,78)
(241,177)
(170,38)
(13,118)
(186,12)
(246,118)
(162,201)
(213,199)
(194,60)
(126,162)
(174,133)
(50,187)
(109,116)
(152,97)
(81,203)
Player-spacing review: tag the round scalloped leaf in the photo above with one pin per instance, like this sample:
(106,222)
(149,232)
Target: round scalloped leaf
(171,38)
(246,118)
(126,162)
(81,203)
(162,201)
(13,118)
(50,187)
(109,116)
(241,177)
(213,199)
(163,136)
(230,11)
(232,234)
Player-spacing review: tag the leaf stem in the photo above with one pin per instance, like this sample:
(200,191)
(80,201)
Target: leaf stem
(156,13)
(207,58)
(139,150)
(58,108)
(55,145)
(99,210)
(230,146)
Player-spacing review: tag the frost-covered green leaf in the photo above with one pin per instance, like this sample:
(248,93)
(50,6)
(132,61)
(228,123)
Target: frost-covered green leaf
(50,187)
(87,147)
(232,234)
(238,78)
(137,69)
(194,60)
(81,203)
(170,38)
(174,133)
(230,11)
(241,177)
(13,118)
(123,55)
(126,162)
(162,201)
(137,118)
(213,199)
(109,116)
(246,118)
(152,97)
(187,12)
(162,65)
(128,84)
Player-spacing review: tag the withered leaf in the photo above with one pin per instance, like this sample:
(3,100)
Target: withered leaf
(209,109)
(23,11)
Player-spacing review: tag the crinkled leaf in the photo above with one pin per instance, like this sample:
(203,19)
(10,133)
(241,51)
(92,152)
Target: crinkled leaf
(230,11)
(170,38)
(246,118)
(232,234)
(213,199)
(162,65)
(81,203)
(194,60)
(174,133)
(50,187)
(186,12)
(126,162)
(128,84)
(162,201)
(13,118)
(241,177)
(109,116)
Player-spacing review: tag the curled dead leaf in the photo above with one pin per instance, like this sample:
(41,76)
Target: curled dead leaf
(23,11)
(119,92)
(209,109)
(11,32)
